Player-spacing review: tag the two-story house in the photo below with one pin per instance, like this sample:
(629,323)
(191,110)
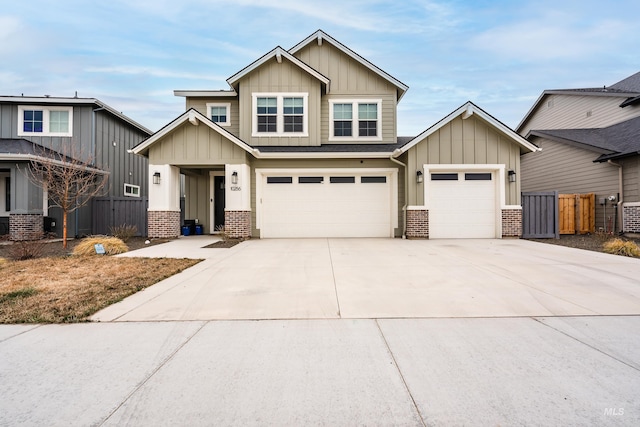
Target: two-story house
(304,144)
(590,140)
(33,127)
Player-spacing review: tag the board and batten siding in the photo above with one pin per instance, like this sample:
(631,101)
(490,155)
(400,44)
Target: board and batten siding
(351,80)
(200,104)
(195,146)
(196,198)
(569,170)
(471,141)
(578,112)
(274,77)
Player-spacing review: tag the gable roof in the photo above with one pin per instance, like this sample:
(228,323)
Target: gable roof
(278,53)
(320,36)
(193,116)
(619,140)
(466,111)
(48,100)
(626,88)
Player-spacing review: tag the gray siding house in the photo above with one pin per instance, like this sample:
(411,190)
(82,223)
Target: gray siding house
(304,143)
(590,143)
(86,127)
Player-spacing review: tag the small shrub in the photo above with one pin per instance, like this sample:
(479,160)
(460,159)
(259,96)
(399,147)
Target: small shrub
(26,249)
(124,232)
(112,246)
(621,247)
(223,233)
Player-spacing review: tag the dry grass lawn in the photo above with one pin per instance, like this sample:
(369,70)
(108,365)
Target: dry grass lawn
(55,290)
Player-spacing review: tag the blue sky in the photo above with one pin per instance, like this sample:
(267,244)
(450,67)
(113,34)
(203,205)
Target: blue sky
(501,55)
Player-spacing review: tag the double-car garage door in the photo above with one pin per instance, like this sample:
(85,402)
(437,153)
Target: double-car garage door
(350,203)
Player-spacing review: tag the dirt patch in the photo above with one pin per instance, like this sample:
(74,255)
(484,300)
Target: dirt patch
(229,243)
(70,289)
(590,242)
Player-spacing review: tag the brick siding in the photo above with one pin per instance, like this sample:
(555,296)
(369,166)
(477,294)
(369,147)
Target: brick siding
(26,226)
(163,224)
(237,224)
(631,218)
(417,224)
(511,222)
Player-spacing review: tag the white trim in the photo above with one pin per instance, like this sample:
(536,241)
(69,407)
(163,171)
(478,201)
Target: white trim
(46,120)
(321,35)
(226,105)
(468,109)
(323,155)
(630,204)
(498,171)
(279,114)
(512,207)
(3,195)
(392,173)
(131,187)
(416,208)
(279,52)
(354,120)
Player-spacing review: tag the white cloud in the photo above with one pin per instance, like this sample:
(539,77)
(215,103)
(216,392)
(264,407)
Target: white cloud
(154,72)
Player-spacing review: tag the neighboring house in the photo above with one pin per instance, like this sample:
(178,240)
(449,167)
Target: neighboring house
(304,144)
(31,127)
(590,141)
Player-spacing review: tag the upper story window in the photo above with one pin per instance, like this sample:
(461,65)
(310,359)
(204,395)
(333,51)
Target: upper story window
(280,114)
(219,113)
(355,120)
(45,121)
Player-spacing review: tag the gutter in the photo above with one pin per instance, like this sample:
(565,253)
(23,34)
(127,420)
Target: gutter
(406,190)
(621,196)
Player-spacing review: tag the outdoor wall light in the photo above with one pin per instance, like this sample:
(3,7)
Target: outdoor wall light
(156,178)
(419,177)
(234,177)
(512,175)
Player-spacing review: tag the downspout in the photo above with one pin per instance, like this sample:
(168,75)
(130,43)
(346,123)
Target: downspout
(621,197)
(406,194)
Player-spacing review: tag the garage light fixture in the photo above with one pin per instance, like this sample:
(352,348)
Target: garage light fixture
(512,175)
(156,178)
(234,177)
(419,177)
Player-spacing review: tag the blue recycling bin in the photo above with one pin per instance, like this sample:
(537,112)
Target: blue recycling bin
(198,229)
(186,230)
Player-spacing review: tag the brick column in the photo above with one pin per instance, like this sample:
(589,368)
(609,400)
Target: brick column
(417,223)
(511,222)
(237,224)
(26,226)
(163,224)
(631,217)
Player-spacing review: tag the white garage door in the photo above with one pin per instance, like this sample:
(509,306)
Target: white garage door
(345,204)
(462,205)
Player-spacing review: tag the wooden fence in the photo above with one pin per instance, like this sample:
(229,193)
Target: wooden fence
(577,213)
(114,211)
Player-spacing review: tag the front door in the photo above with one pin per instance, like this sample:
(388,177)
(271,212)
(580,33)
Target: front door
(218,202)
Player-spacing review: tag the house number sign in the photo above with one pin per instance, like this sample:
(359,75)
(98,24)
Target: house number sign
(236,188)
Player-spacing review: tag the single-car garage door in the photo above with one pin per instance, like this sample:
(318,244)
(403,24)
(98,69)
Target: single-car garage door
(462,205)
(331,204)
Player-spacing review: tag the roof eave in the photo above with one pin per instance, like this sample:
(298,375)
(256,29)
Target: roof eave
(206,93)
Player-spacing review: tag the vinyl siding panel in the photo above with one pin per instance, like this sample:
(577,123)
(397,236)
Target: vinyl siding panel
(279,78)
(195,146)
(471,141)
(200,104)
(350,79)
(570,112)
(569,170)
(631,178)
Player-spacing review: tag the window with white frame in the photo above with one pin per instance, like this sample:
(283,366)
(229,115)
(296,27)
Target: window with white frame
(34,120)
(280,114)
(355,120)
(132,190)
(219,113)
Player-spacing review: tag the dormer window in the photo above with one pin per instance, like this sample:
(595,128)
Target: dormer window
(45,120)
(355,120)
(280,114)
(219,113)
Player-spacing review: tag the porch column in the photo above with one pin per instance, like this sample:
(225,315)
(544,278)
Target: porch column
(237,212)
(164,201)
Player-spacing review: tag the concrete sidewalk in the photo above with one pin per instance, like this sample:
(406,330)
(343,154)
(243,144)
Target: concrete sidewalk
(570,371)
(383,278)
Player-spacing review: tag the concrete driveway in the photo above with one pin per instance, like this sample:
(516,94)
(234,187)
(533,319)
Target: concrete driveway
(383,278)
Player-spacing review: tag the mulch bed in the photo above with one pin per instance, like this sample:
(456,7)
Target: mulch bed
(229,243)
(590,242)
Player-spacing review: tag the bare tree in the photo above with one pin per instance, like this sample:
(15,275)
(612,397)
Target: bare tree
(69,177)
